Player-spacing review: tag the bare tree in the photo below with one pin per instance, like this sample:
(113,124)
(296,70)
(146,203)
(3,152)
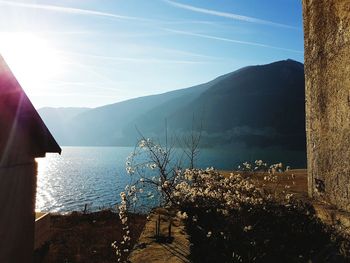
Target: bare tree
(190,143)
(154,164)
(159,164)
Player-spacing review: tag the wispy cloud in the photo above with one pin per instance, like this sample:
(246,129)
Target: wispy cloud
(186,21)
(232,40)
(227,15)
(71,10)
(177,52)
(132,59)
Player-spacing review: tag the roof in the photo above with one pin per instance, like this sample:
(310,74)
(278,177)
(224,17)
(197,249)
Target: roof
(19,119)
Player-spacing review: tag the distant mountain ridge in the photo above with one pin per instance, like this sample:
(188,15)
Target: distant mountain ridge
(256,106)
(59,119)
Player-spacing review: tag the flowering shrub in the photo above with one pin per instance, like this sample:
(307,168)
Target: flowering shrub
(209,189)
(229,218)
(152,176)
(152,169)
(124,245)
(261,166)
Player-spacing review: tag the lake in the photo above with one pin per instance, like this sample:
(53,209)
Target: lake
(95,175)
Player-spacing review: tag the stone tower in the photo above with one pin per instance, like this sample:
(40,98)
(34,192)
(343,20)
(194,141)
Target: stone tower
(327,72)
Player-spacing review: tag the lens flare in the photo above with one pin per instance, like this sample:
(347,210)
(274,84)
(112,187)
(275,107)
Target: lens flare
(32,59)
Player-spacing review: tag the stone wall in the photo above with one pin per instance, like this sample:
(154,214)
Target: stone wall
(327,72)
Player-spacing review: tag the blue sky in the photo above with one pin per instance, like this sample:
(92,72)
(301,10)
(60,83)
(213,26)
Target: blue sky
(88,53)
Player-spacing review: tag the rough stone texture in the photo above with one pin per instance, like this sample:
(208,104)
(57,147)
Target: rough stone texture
(327,72)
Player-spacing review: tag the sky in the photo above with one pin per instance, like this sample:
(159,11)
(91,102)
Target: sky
(89,53)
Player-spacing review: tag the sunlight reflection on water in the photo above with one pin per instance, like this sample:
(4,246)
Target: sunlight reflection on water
(96,175)
(81,175)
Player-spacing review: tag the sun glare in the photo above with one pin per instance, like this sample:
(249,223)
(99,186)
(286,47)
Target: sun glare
(32,59)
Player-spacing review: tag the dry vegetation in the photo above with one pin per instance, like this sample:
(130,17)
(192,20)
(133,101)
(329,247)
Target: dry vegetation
(295,179)
(258,214)
(228,218)
(271,220)
(86,238)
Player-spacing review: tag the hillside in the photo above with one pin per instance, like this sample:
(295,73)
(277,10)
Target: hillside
(257,106)
(59,120)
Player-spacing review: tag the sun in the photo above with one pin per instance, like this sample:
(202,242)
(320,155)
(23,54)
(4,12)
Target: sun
(32,59)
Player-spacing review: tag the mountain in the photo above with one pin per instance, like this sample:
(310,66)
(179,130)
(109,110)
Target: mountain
(257,106)
(59,120)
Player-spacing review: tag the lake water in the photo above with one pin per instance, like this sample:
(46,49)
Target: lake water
(95,175)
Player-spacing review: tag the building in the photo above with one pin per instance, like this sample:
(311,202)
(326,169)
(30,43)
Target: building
(23,137)
(327,75)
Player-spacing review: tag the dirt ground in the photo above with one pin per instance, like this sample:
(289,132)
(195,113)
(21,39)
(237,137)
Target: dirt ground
(86,238)
(174,249)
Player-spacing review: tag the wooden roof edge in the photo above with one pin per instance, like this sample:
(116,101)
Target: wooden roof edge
(48,144)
